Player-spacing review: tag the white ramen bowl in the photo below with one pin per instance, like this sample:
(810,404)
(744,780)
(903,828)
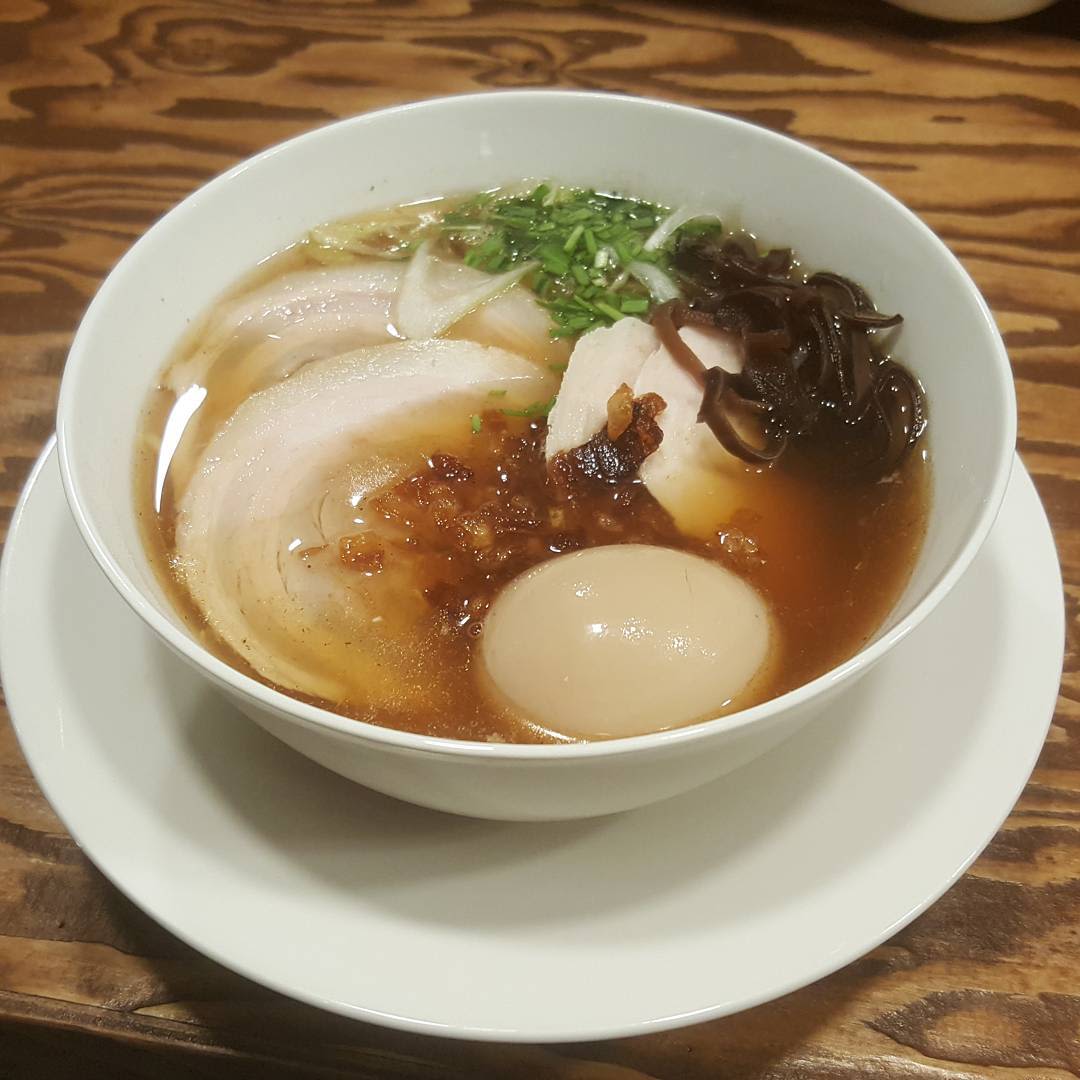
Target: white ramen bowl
(785,192)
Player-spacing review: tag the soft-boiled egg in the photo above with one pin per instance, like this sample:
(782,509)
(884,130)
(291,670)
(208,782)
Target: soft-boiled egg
(623,640)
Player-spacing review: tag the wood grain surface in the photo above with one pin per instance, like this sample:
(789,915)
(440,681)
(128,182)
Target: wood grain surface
(113,111)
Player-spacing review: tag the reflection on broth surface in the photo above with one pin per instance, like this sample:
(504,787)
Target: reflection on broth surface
(355,454)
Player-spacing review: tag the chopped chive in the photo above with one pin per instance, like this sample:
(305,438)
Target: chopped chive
(612,313)
(476,423)
(553,259)
(518,212)
(580,240)
(572,240)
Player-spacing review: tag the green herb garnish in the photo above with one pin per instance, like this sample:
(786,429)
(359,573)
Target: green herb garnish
(583,242)
(476,423)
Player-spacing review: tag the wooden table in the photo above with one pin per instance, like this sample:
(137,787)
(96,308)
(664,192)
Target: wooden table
(113,111)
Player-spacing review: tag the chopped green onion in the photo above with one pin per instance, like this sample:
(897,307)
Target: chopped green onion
(496,393)
(573,238)
(612,313)
(555,262)
(476,423)
(582,242)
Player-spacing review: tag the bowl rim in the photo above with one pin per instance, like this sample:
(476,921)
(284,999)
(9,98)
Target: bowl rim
(313,716)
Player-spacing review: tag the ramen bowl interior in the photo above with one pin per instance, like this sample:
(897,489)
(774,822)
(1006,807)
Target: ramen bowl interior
(784,192)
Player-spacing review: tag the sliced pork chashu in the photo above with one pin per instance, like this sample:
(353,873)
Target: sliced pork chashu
(260,523)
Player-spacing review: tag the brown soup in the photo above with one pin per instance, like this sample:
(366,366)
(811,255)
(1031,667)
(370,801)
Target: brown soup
(469,503)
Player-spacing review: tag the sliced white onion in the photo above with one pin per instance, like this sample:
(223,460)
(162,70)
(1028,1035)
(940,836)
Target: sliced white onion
(676,220)
(435,293)
(661,287)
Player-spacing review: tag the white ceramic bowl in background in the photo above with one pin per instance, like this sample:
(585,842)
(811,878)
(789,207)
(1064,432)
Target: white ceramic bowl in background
(785,192)
(973,11)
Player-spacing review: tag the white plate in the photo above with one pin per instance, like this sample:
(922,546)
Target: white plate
(698,907)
